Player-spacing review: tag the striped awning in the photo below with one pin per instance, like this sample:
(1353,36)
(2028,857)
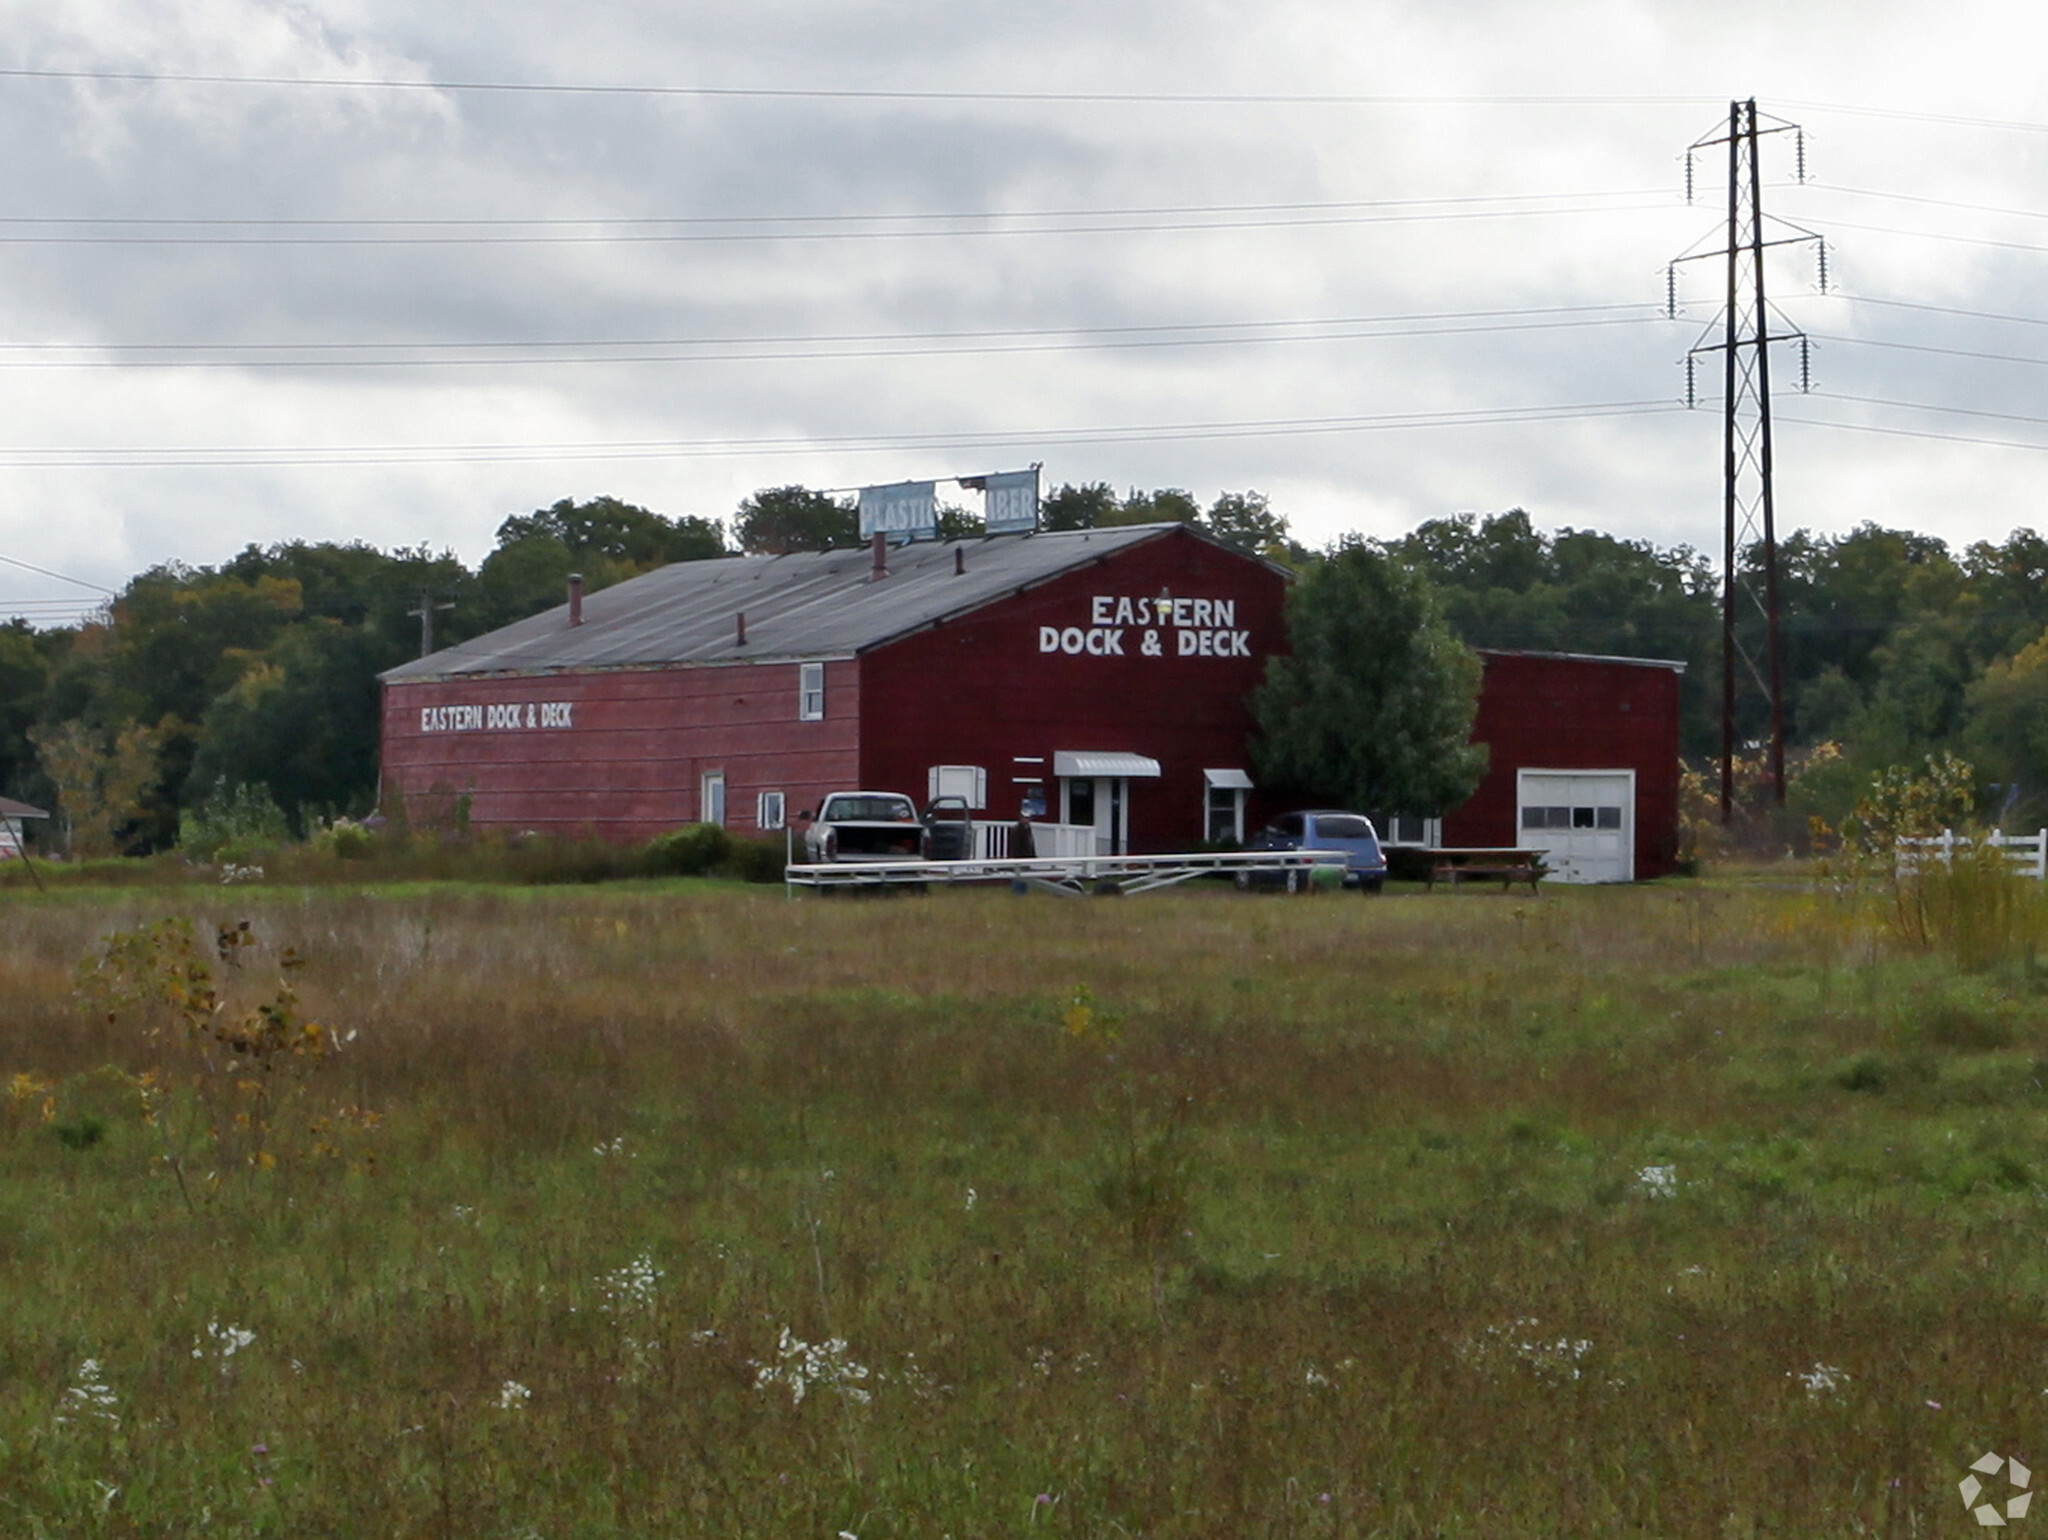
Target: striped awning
(1089,764)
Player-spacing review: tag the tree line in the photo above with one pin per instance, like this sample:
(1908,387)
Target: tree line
(257,679)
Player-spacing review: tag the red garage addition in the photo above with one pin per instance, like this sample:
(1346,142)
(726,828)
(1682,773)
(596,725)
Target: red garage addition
(1584,764)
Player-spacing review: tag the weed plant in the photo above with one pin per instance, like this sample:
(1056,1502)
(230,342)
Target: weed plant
(1677,1211)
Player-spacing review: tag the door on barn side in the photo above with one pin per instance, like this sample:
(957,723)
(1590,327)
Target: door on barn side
(1584,822)
(1098,802)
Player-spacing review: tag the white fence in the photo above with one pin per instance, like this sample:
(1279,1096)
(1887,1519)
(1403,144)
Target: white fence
(2027,852)
(998,841)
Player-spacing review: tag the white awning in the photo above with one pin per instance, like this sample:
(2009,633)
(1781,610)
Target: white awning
(1089,764)
(1227,780)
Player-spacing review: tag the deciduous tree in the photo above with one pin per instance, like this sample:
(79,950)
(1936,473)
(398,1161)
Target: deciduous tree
(1372,705)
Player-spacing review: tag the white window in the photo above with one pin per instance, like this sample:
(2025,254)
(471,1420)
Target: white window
(1410,829)
(968,782)
(810,690)
(713,804)
(1223,805)
(768,810)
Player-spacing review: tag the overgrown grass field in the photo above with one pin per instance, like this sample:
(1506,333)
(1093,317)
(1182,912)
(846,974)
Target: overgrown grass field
(688,1210)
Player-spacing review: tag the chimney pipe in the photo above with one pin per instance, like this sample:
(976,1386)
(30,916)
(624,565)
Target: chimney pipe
(575,598)
(959,561)
(741,618)
(880,546)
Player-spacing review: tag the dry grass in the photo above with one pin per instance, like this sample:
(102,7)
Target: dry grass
(1320,1217)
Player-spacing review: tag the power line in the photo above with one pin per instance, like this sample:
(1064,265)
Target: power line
(1916,433)
(1927,235)
(849,93)
(1912,347)
(885,217)
(15,561)
(501,361)
(1977,315)
(439,454)
(1953,120)
(822,338)
(731,237)
(1939,203)
(1928,406)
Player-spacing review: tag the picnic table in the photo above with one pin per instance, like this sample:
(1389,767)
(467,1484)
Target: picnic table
(1485,863)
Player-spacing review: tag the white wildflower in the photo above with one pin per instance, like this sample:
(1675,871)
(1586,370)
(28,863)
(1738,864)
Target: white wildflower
(231,874)
(1822,1379)
(1315,1376)
(1518,1342)
(631,1289)
(513,1396)
(802,1365)
(92,1398)
(1658,1181)
(629,1295)
(463,1213)
(973,1198)
(228,1340)
(614,1149)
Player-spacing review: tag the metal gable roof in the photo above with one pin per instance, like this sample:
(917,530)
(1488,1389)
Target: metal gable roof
(810,604)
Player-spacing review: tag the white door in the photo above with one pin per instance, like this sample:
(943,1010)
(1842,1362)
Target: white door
(1100,803)
(1584,822)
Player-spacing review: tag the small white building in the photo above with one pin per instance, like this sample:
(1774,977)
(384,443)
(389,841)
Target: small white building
(12,816)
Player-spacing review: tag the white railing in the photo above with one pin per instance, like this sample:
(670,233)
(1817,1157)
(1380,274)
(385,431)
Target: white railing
(997,841)
(2027,852)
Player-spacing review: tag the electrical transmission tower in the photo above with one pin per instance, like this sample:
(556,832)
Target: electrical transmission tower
(1742,334)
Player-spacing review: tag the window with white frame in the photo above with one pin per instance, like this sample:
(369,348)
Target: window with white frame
(810,690)
(1410,829)
(1223,794)
(768,810)
(711,803)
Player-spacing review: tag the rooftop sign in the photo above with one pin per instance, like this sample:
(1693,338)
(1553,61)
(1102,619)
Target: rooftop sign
(909,509)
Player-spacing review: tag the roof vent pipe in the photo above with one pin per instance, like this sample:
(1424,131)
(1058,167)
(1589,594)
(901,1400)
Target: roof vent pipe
(575,598)
(880,546)
(741,639)
(959,561)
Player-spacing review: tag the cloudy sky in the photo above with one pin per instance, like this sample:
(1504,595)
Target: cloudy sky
(1381,261)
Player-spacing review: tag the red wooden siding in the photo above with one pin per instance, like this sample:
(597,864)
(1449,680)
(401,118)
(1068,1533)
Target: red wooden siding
(980,691)
(631,761)
(1561,713)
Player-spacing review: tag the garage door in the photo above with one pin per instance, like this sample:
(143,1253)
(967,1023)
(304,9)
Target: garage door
(1584,821)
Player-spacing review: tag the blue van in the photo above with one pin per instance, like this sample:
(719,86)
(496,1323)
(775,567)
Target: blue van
(1365,865)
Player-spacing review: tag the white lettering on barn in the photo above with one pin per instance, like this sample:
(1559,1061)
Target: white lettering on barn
(1200,628)
(504,716)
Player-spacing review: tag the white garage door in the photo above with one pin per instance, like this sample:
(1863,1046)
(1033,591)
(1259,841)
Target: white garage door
(1584,821)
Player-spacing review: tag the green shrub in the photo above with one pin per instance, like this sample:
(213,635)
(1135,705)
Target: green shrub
(345,840)
(755,860)
(235,821)
(690,851)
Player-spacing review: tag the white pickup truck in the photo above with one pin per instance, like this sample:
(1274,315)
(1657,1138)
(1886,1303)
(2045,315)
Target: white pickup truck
(865,826)
(886,826)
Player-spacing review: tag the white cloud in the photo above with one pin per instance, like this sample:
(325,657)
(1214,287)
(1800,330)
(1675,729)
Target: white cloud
(194,152)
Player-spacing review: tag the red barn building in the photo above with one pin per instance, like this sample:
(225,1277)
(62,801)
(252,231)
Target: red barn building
(1095,678)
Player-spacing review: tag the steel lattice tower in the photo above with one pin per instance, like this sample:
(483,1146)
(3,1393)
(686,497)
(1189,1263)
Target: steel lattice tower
(1747,326)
